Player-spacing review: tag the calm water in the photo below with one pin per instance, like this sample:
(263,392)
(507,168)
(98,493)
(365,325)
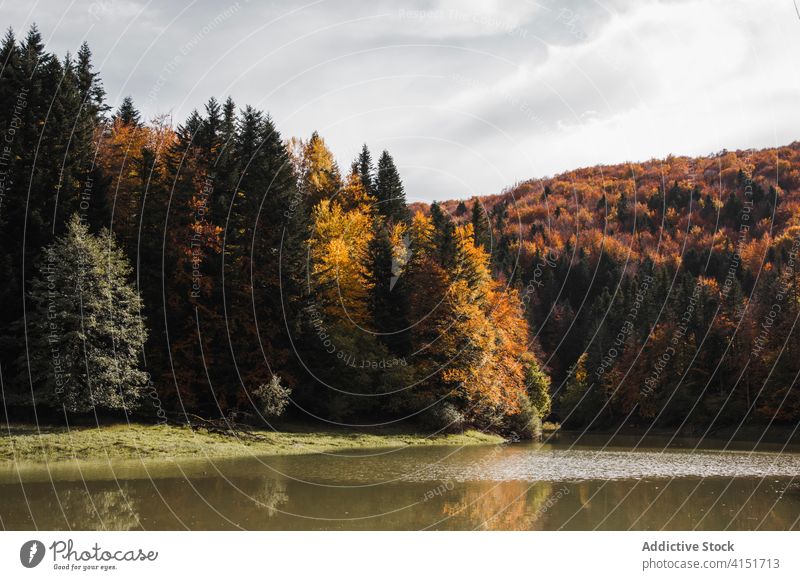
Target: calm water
(558,485)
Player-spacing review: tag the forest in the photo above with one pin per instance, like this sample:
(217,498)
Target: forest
(215,268)
(661,293)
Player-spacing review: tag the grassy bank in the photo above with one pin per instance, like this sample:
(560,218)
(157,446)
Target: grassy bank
(29,443)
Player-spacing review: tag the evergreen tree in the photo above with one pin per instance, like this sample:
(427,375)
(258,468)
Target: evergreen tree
(365,170)
(389,190)
(480,225)
(127,113)
(623,212)
(388,259)
(443,235)
(85,328)
(90,88)
(503,260)
(732,209)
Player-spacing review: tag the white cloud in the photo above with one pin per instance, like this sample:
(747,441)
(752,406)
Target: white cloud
(469,96)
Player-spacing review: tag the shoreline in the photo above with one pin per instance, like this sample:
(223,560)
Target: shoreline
(27,443)
(754,435)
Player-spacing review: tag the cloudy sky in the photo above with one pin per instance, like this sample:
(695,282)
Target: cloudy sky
(469,96)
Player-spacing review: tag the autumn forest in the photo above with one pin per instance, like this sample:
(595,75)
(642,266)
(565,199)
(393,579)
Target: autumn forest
(216,268)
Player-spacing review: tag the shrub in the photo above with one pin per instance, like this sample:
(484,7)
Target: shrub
(526,424)
(272,397)
(445,417)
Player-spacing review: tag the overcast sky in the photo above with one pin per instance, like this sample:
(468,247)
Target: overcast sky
(469,96)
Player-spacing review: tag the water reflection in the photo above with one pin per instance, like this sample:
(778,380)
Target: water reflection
(519,487)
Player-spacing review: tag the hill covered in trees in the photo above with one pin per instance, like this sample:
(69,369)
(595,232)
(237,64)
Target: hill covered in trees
(661,293)
(214,268)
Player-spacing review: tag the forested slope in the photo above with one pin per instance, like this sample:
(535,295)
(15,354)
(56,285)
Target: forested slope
(660,292)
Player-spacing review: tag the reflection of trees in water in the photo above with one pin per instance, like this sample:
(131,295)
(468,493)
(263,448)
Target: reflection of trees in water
(215,503)
(102,509)
(514,505)
(270,496)
(618,505)
(679,504)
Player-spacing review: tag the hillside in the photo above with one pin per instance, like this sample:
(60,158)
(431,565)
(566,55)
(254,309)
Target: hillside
(671,284)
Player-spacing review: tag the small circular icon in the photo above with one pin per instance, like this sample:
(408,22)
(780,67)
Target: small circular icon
(31,553)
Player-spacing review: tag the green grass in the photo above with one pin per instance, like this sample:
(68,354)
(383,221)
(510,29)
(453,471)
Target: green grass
(27,443)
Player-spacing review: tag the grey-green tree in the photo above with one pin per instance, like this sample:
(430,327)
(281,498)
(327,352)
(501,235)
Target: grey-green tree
(85,329)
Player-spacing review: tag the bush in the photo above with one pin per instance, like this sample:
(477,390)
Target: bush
(272,397)
(526,424)
(445,417)
(537,384)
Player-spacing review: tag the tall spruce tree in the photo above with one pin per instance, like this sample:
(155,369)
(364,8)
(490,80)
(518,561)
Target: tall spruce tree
(390,292)
(389,191)
(127,114)
(85,329)
(443,235)
(366,170)
(480,225)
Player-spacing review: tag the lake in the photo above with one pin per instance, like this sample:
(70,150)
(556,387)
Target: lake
(560,484)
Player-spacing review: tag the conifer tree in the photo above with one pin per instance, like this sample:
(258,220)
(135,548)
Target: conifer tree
(443,235)
(85,328)
(127,114)
(388,253)
(366,170)
(389,191)
(480,225)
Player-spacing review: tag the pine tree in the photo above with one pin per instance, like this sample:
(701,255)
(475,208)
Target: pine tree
(389,191)
(86,329)
(622,210)
(127,114)
(388,258)
(443,235)
(365,170)
(480,225)
(90,88)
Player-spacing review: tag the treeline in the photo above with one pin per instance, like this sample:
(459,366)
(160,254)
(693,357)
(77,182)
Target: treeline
(663,293)
(216,269)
